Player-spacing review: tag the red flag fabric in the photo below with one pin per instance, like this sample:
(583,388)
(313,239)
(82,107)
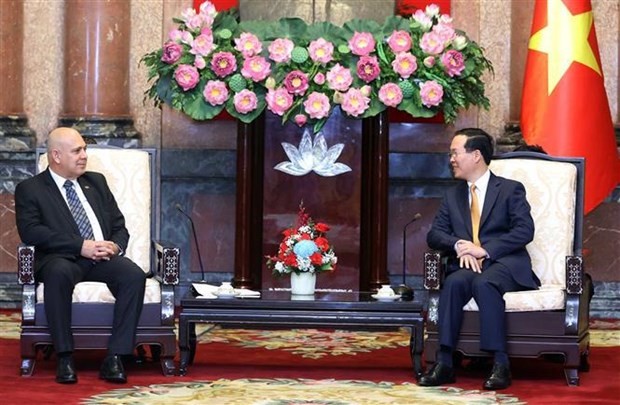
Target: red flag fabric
(220,5)
(564,107)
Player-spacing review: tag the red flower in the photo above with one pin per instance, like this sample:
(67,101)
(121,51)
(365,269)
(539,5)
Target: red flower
(305,236)
(321,227)
(290,260)
(316,258)
(322,243)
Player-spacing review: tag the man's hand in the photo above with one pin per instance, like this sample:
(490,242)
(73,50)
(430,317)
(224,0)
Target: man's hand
(470,255)
(99,250)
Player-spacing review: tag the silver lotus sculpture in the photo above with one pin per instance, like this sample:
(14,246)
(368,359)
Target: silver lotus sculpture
(312,157)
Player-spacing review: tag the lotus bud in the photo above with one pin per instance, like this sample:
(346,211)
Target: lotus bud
(459,42)
(270,83)
(366,90)
(429,61)
(300,120)
(337,98)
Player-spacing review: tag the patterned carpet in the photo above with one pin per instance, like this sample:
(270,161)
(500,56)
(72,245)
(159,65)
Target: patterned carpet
(300,348)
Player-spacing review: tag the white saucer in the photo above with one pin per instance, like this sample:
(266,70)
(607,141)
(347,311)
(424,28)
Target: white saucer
(225,295)
(385,298)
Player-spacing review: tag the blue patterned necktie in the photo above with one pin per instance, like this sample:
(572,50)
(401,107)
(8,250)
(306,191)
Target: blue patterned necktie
(78,212)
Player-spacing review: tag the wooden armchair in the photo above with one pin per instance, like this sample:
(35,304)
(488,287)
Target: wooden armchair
(552,320)
(131,175)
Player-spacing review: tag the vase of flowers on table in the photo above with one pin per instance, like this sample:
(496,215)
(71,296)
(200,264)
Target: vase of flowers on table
(303,252)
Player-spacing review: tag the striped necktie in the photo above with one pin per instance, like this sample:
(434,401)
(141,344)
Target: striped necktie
(78,212)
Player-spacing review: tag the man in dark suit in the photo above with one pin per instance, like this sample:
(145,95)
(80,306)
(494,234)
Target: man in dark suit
(79,234)
(484,224)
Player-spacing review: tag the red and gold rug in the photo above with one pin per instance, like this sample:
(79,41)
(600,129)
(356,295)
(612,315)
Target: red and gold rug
(303,366)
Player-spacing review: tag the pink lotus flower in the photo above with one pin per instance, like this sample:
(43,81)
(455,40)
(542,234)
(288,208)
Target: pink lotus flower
(368,68)
(445,32)
(223,63)
(390,94)
(171,52)
(432,43)
(296,82)
(199,62)
(187,37)
(175,35)
(424,20)
(405,64)
(399,41)
(207,9)
(362,43)
(431,93)
(215,92)
(245,101)
(432,10)
(321,51)
(256,68)
(429,61)
(319,78)
(354,102)
(453,62)
(280,50)
(186,76)
(203,44)
(339,78)
(279,101)
(300,120)
(317,105)
(192,20)
(248,44)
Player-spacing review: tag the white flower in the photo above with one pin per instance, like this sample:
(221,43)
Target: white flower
(311,157)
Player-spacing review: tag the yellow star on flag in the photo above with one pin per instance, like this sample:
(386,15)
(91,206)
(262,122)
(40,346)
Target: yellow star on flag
(564,40)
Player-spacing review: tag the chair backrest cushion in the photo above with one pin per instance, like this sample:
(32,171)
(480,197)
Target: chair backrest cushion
(128,173)
(551,189)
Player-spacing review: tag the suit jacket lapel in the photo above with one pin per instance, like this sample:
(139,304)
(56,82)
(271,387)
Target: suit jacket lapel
(58,199)
(463,204)
(91,195)
(490,198)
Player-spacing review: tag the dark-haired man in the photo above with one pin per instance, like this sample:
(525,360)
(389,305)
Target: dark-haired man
(484,224)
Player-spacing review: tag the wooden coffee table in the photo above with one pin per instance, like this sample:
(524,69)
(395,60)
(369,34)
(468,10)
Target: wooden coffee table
(337,310)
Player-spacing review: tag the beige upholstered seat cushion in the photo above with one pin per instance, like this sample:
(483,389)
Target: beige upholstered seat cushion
(551,191)
(128,173)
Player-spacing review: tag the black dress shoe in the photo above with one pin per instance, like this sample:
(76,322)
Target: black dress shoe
(499,378)
(65,371)
(112,370)
(439,374)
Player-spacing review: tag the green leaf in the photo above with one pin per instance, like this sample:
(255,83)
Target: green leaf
(291,28)
(415,109)
(200,110)
(325,30)
(363,26)
(394,23)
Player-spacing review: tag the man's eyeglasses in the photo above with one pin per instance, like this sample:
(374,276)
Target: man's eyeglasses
(455,153)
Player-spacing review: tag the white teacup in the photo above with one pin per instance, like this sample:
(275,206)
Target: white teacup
(226,288)
(385,291)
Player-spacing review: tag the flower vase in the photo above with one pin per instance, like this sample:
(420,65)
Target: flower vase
(303,283)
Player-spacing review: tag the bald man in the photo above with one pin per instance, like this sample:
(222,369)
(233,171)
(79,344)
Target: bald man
(79,234)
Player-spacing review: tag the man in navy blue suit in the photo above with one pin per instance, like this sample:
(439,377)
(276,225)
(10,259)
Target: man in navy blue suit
(79,234)
(483,224)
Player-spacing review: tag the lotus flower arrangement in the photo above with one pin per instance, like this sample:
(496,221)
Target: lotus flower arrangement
(305,248)
(420,65)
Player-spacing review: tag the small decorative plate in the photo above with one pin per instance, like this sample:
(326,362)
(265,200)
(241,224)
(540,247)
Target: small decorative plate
(385,298)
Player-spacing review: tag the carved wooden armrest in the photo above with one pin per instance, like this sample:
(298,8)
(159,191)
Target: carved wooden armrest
(25,264)
(167,262)
(574,275)
(432,270)
(25,277)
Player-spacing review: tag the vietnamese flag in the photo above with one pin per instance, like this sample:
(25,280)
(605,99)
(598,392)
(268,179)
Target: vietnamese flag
(564,106)
(220,5)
